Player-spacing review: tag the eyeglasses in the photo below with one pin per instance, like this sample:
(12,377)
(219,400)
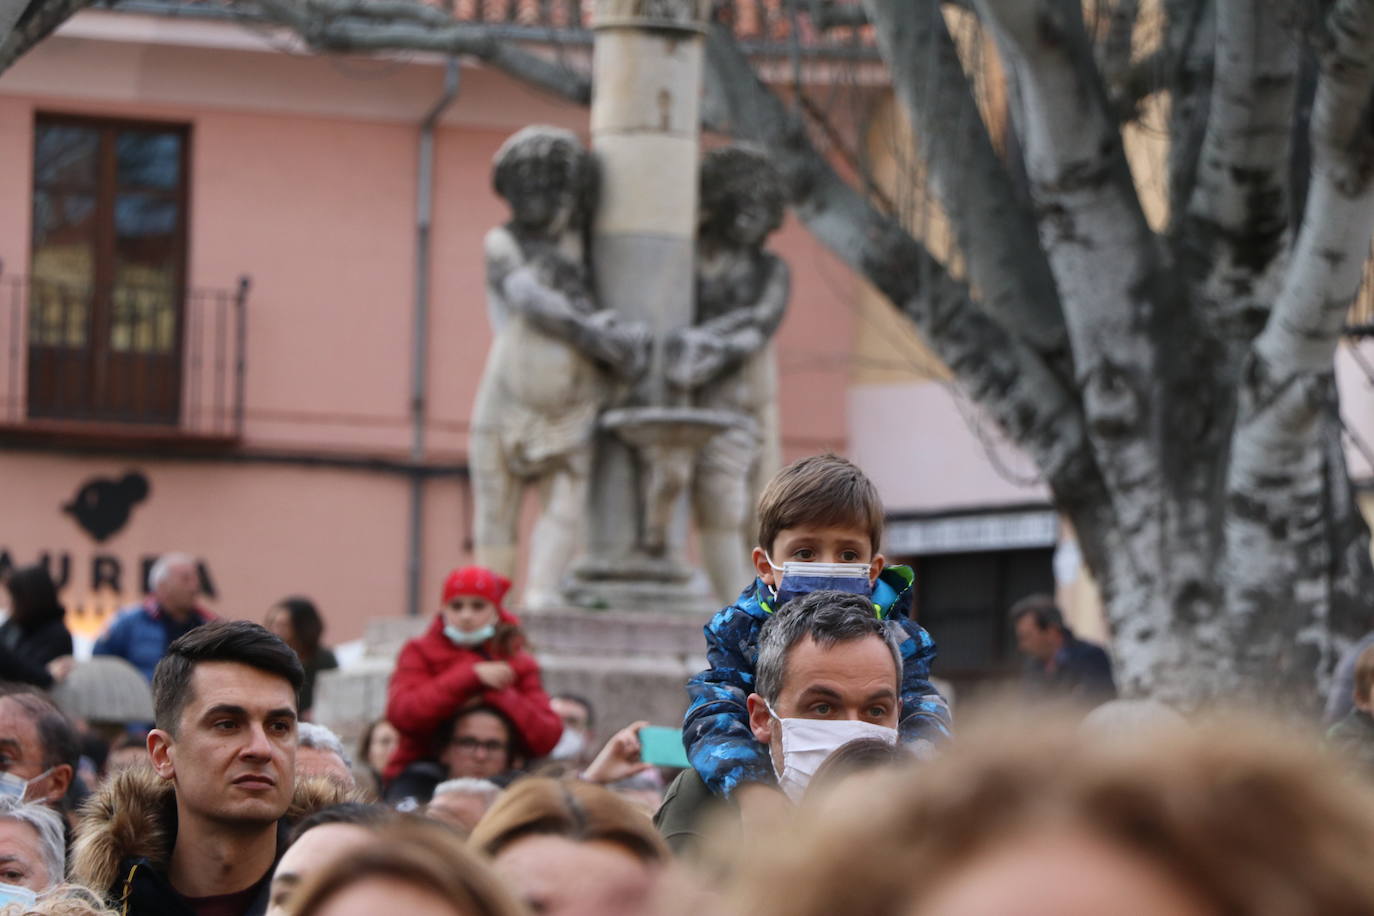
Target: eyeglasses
(469,745)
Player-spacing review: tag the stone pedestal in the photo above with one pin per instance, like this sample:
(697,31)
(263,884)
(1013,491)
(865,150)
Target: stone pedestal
(630,665)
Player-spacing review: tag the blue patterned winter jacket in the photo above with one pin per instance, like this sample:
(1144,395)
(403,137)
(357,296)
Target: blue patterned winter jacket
(716,732)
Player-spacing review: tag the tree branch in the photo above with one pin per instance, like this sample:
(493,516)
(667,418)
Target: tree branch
(1105,259)
(1236,227)
(1000,371)
(28,29)
(1328,260)
(992,226)
(10,11)
(331,25)
(1276,500)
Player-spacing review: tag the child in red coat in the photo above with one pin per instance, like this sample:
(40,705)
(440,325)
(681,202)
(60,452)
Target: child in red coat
(472,653)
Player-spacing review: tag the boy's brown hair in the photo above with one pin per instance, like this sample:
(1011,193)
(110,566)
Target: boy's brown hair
(1364,675)
(821,490)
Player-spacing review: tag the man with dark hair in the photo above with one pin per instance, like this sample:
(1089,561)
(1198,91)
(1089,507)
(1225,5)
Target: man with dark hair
(39,751)
(223,757)
(1057,662)
(829,672)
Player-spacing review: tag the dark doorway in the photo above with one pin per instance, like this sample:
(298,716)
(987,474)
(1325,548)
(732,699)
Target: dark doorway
(962,599)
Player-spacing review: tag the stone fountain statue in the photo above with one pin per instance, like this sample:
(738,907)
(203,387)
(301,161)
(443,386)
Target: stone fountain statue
(724,359)
(557,360)
(615,384)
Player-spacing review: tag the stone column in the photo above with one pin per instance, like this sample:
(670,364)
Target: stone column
(645,134)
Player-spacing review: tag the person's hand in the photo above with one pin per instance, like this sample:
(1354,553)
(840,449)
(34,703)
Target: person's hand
(496,675)
(60,667)
(619,758)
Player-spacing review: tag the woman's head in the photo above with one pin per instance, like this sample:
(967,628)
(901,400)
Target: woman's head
(415,867)
(33,597)
(297,622)
(376,744)
(571,848)
(1234,819)
(472,610)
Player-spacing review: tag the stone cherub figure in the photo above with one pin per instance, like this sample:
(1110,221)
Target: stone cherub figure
(725,359)
(556,360)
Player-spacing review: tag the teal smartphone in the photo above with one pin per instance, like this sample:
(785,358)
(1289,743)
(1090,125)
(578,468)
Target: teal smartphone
(662,747)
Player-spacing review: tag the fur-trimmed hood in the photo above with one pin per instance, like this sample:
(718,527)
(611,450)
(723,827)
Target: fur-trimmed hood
(133,816)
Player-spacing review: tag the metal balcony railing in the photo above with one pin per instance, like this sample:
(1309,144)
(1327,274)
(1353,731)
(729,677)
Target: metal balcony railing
(126,354)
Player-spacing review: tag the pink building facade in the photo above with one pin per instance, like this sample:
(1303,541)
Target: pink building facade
(286,457)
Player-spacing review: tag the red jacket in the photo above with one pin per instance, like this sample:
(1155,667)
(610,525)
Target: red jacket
(434,678)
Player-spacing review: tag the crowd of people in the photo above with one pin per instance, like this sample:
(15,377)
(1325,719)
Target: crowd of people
(823,770)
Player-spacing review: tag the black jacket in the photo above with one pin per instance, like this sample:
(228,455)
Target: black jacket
(24,654)
(1082,672)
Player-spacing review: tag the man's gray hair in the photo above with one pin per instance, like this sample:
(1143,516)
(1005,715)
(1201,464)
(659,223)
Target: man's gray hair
(47,823)
(322,739)
(483,788)
(164,565)
(828,618)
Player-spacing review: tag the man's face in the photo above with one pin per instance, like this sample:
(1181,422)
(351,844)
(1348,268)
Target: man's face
(575,716)
(480,747)
(817,544)
(1039,644)
(854,680)
(233,756)
(179,587)
(21,857)
(21,754)
(316,849)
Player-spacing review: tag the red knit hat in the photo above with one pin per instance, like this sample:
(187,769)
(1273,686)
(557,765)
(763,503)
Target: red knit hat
(480,581)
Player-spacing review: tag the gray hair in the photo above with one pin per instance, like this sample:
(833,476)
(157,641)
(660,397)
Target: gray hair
(47,823)
(827,617)
(164,565)
(322,739)
(483,788)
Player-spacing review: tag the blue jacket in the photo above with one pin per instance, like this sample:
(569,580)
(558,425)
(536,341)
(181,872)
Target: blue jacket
(716,732)
(141,634)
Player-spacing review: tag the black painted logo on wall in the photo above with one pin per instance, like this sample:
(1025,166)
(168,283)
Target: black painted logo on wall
(102,506)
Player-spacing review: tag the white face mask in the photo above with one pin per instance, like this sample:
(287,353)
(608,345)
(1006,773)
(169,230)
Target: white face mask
(473,638)
(806,743)
(13,786)
(570,746)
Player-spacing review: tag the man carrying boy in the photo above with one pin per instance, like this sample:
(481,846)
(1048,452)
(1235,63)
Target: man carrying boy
(820,526)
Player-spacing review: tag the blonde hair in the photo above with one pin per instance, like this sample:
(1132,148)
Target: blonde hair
(820,490)
(1250,820)
(420,853)
(63,900)
(568,808)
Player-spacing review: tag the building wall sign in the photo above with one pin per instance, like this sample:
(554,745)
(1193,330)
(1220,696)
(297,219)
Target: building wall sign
(101,506)
(1024,529)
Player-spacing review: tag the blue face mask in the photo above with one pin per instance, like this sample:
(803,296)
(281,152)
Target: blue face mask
(798,579)
(13,786)
(13,893)
(473,638)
